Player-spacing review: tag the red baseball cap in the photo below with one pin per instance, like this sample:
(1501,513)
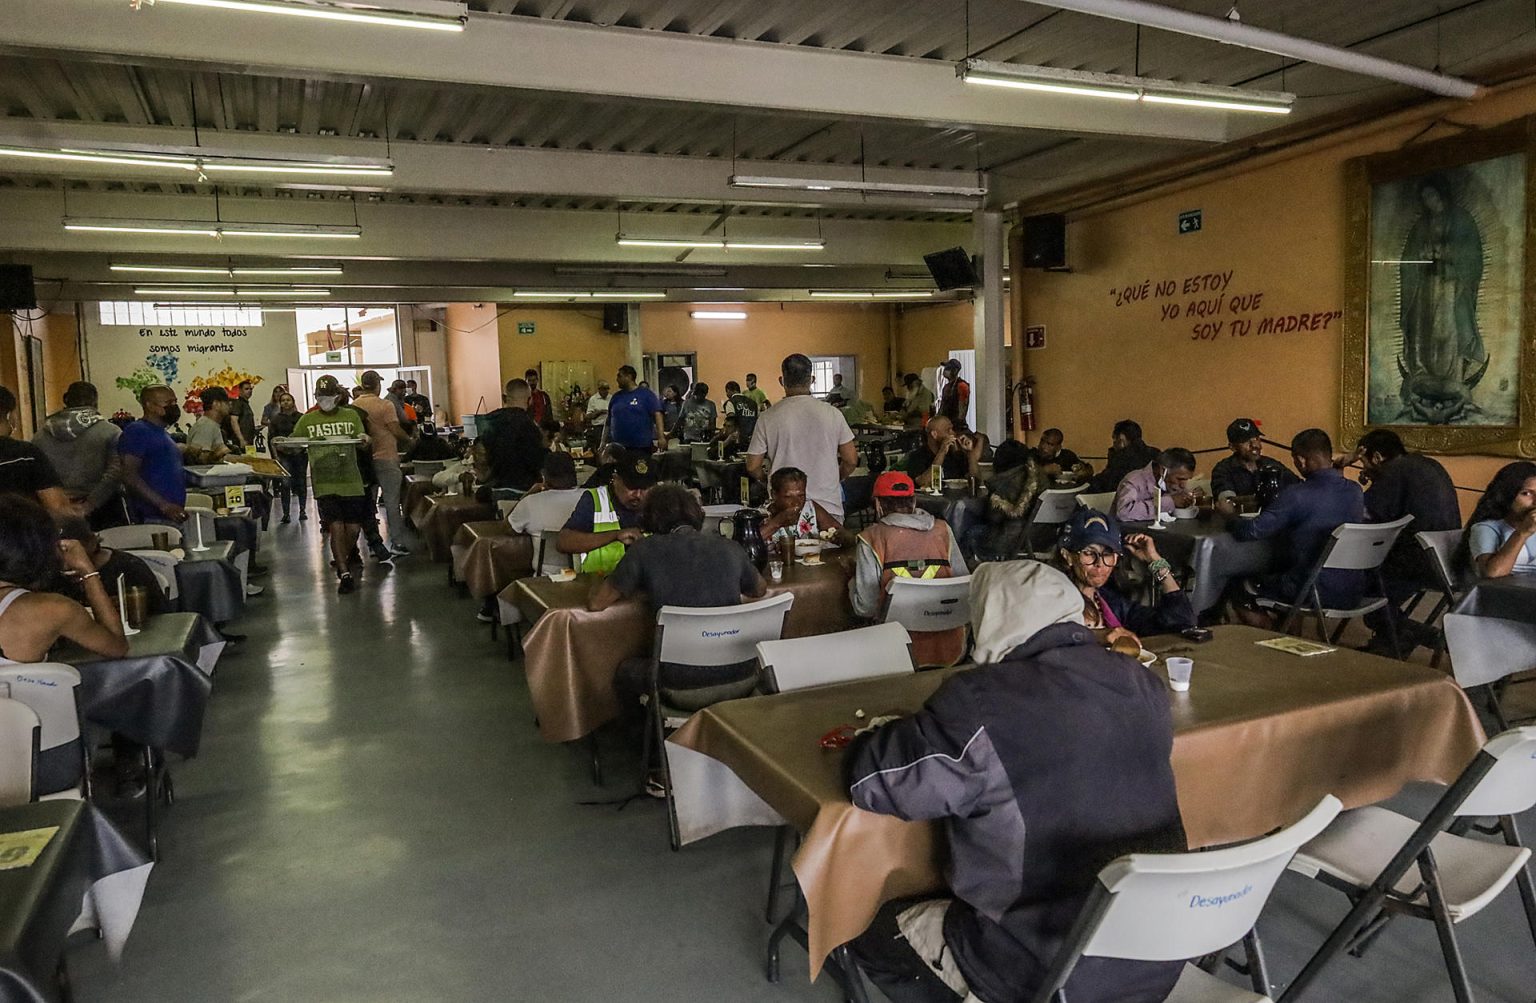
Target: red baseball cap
(894,484)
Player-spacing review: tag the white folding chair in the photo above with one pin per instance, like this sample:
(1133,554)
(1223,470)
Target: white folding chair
(1368,853)
(1440,551)
(163,564)
(795,663)
(137,537)
(1486,650)
(1099,502)
(197,499)
(546,559)
(52,691)
(1054,507)
(1353,546)
(929,604)
(705,636)
(1178,906)
(20,732)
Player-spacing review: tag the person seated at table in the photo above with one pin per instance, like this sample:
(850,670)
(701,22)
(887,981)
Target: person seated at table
(889,402)
(24,469)
(1303,517)
(430,445)
(1090,550)
(32,621)
(1055,460)
(856,411)
(944,454)
(1016,482)
(1240,474)
(205,443)
(113,564)
(1501,534)
(728,442)
(512,440)
(606,519)
(1127,452)
(1167,478)
(548,505)
(791,514)
(906,542)
(1045,762)
(1399,483)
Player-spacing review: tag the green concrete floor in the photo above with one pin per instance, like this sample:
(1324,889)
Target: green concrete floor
(374,818)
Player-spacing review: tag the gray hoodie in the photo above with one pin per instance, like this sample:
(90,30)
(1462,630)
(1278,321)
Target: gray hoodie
(82,445)
(864,591)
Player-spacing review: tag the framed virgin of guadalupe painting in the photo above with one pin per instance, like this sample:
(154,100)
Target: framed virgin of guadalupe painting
(1439,315)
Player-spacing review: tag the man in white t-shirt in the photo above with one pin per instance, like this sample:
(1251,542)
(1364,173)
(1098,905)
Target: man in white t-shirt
(801,431)
(547,506)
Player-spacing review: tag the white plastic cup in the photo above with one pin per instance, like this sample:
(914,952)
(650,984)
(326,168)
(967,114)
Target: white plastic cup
(1179,670)
(776,571)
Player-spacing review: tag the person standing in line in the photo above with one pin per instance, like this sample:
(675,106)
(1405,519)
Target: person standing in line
(597,413)
(404,412)
(635,417)
(417,400)
(743,408)
(919,403)
(339,493)
(271,407)
(805,433)
(386,434)
(539,404)
(240,422)
(756,393)
(281,424)
(956,402)
(82,446)
(696,418)
(152,469)
(513,444)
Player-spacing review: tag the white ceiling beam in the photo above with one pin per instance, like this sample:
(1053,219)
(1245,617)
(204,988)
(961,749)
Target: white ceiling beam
(467,169)
(539,55)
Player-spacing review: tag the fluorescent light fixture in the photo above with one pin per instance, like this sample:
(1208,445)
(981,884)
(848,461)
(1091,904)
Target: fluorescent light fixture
(670,242)
(374,170)
(184,292)
(860,187)
(852,294)
(427,14)
(207,228)
(122,158)
(718,314)
(201,163)
(726,243)
(605,294)
(228,270)
(775,245)
(1119,87)
(259,293)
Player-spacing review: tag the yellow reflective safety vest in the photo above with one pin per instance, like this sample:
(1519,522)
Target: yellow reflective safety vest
(605,519)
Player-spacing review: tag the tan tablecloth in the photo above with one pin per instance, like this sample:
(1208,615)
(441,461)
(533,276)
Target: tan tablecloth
(488,556)
(1259,738)
(440,516)
(571,654)
(413,495)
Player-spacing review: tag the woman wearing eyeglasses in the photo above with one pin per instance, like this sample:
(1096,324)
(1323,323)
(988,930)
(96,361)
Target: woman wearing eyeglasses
(1090,550)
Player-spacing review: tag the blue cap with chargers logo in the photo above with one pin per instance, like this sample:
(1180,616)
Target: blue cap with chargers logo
(1087,528)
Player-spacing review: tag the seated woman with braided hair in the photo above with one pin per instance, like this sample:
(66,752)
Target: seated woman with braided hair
(1090,550)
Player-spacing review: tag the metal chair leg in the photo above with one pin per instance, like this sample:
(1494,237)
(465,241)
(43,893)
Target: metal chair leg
(1258,969)
(780,844)
(61,981)
(1495,707)
(788,926)
(1444,928)
(851,978)
(151,796)
(1523,878)
(597,759)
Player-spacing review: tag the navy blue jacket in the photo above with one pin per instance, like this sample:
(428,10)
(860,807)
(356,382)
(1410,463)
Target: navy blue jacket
(1303,517)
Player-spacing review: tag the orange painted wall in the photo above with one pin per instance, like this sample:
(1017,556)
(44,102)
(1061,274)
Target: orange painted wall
(1275,231)
(59,333)
(728,350)
(925,335)
(472,350)
(563,334)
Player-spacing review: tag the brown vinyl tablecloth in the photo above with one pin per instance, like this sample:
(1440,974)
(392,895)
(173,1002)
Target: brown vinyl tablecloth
(488,556)
(571,654)
(1260,737)
(413,495)
(438,517)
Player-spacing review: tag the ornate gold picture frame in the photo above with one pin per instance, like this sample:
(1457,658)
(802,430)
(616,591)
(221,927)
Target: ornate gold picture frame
(1439,313)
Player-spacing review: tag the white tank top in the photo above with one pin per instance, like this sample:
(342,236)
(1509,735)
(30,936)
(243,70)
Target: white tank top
(5,604)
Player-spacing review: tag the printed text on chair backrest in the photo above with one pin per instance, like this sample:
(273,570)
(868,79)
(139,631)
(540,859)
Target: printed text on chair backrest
(934,604)
(720,635)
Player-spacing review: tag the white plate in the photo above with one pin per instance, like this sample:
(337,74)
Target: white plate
(1145,657)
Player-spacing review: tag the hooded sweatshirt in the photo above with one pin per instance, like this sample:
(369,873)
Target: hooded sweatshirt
(82,446)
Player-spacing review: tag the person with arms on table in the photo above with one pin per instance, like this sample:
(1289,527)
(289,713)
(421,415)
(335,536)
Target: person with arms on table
(1057,461)
(340,496)
(918,406)
(548,505)
(387,434)
(1304,517)
(1241,474)
(239,420)
(152,466)
(1501,534)
(606,519)
(82,446)
(906,542)
(1089,552)
(1127,452)
(1016,482)
(1167,478)
(1401,483)
(636,418)
(728,442)
(112,564)
(513,443)
(24,469)
(944,455)
(889,402)
(205,443)
(1044,763)
(791,515)
(32,557)
(955,404)
(807,434)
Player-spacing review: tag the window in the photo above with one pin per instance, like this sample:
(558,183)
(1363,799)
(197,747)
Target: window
(134,313)
(348,336)
(824,367)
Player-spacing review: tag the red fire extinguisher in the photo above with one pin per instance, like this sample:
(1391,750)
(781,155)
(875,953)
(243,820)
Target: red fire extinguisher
(1027,406)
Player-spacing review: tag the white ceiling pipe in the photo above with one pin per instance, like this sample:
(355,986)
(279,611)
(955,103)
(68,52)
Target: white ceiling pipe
(1218,29)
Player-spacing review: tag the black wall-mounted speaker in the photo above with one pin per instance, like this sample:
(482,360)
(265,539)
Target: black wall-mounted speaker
(952,269)
(616,318)
(16,289)
(1045,241)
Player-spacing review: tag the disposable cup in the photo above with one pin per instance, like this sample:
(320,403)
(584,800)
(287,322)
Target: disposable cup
(1179,670)
(776,571)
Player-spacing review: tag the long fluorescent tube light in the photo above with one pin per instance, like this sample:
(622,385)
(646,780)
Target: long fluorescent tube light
(849,294)
(227,270)
(725,243)
(611,294)
(862,187)
(1119,87)
(201,163)
(260,293)
(119,157)
(294,167)
(718,314)
(206,228)
(452,19)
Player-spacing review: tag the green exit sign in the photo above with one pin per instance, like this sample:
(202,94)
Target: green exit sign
(1189,222)
(525,327)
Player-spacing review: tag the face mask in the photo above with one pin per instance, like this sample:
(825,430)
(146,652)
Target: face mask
(172,414)
(326,403)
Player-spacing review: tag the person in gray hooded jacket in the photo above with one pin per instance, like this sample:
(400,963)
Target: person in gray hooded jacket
(82,446)
(1045,762)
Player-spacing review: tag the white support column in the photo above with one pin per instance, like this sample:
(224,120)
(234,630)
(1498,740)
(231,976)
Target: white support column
(635,348)
(991,367)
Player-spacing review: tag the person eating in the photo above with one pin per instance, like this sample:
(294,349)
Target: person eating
(1239,475)
(1156,489)
(791,514)
(606,519)
(944,454)
(1055,460)
(1501,534)
(1090,550)
(1128,451)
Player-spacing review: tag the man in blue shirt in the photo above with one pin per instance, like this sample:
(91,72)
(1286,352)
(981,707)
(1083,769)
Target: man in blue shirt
(1304,516)
(152,467)
(635,416)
